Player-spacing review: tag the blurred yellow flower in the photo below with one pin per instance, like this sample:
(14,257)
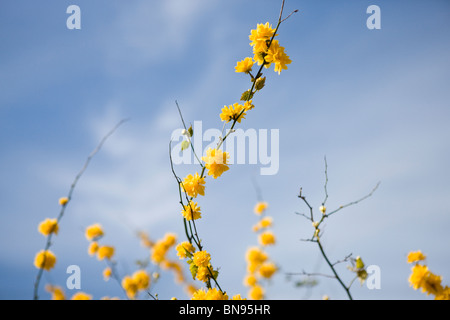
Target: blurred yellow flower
(94,232)
(56,291)
(107,272)
(81,296)
(63,201)
(142,279)
(105,252)
(415,256)
(267,270)
(130,286)
(48,226)
(93,248)
(266,238)
(256,293)
(45,260)
(260,207)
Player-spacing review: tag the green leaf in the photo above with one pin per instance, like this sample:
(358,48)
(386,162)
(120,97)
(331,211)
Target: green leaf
(193,269)
(191,131)
(260,83)
(247,95)
(184,145)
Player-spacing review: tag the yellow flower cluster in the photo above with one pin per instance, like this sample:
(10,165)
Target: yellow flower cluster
(48,226)
(158,255)
(422,278)
(46,259)
(138,281)
(56,292)
(258,264)
(162,246)
(93,233)
(266,50)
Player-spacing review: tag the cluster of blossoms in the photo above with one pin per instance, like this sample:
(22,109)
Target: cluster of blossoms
(259,265)
(266,50)
(159,256)
(138,281)
(93,234)
(58,294)
(46,259)
(422,278)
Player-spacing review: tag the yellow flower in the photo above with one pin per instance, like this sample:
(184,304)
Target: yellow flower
(266,222)
(48,226)
(184,248)
(266,238)
(255,257)
(130,286)
(415,256)
(45,260)
(256,293)
(56,291)
(214,294)
(418,276)
(105,252)
(191,211)
(203,274)
(200,294)
(323,209)
(161,247)
(276,55)
(107,273)
(444,294)
(94,231)
(93,248)
(142,279)
(260,36)
(170,239)
(248,105)
(260,207)
(193,185)
(216,162)
(235,112)
(432,284)
(267,270)
(81,296)
(250,280)
(63,201)
(244,65)
(201,258)
(237,297)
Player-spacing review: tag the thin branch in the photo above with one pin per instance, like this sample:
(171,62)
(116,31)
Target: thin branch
(69,197)
(354,202)
(326,181)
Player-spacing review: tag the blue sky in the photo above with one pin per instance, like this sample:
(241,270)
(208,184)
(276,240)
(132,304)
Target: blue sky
(374,102)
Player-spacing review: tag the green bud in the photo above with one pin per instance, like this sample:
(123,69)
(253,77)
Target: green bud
(260,83)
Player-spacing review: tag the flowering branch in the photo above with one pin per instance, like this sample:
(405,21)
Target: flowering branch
(45,256)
